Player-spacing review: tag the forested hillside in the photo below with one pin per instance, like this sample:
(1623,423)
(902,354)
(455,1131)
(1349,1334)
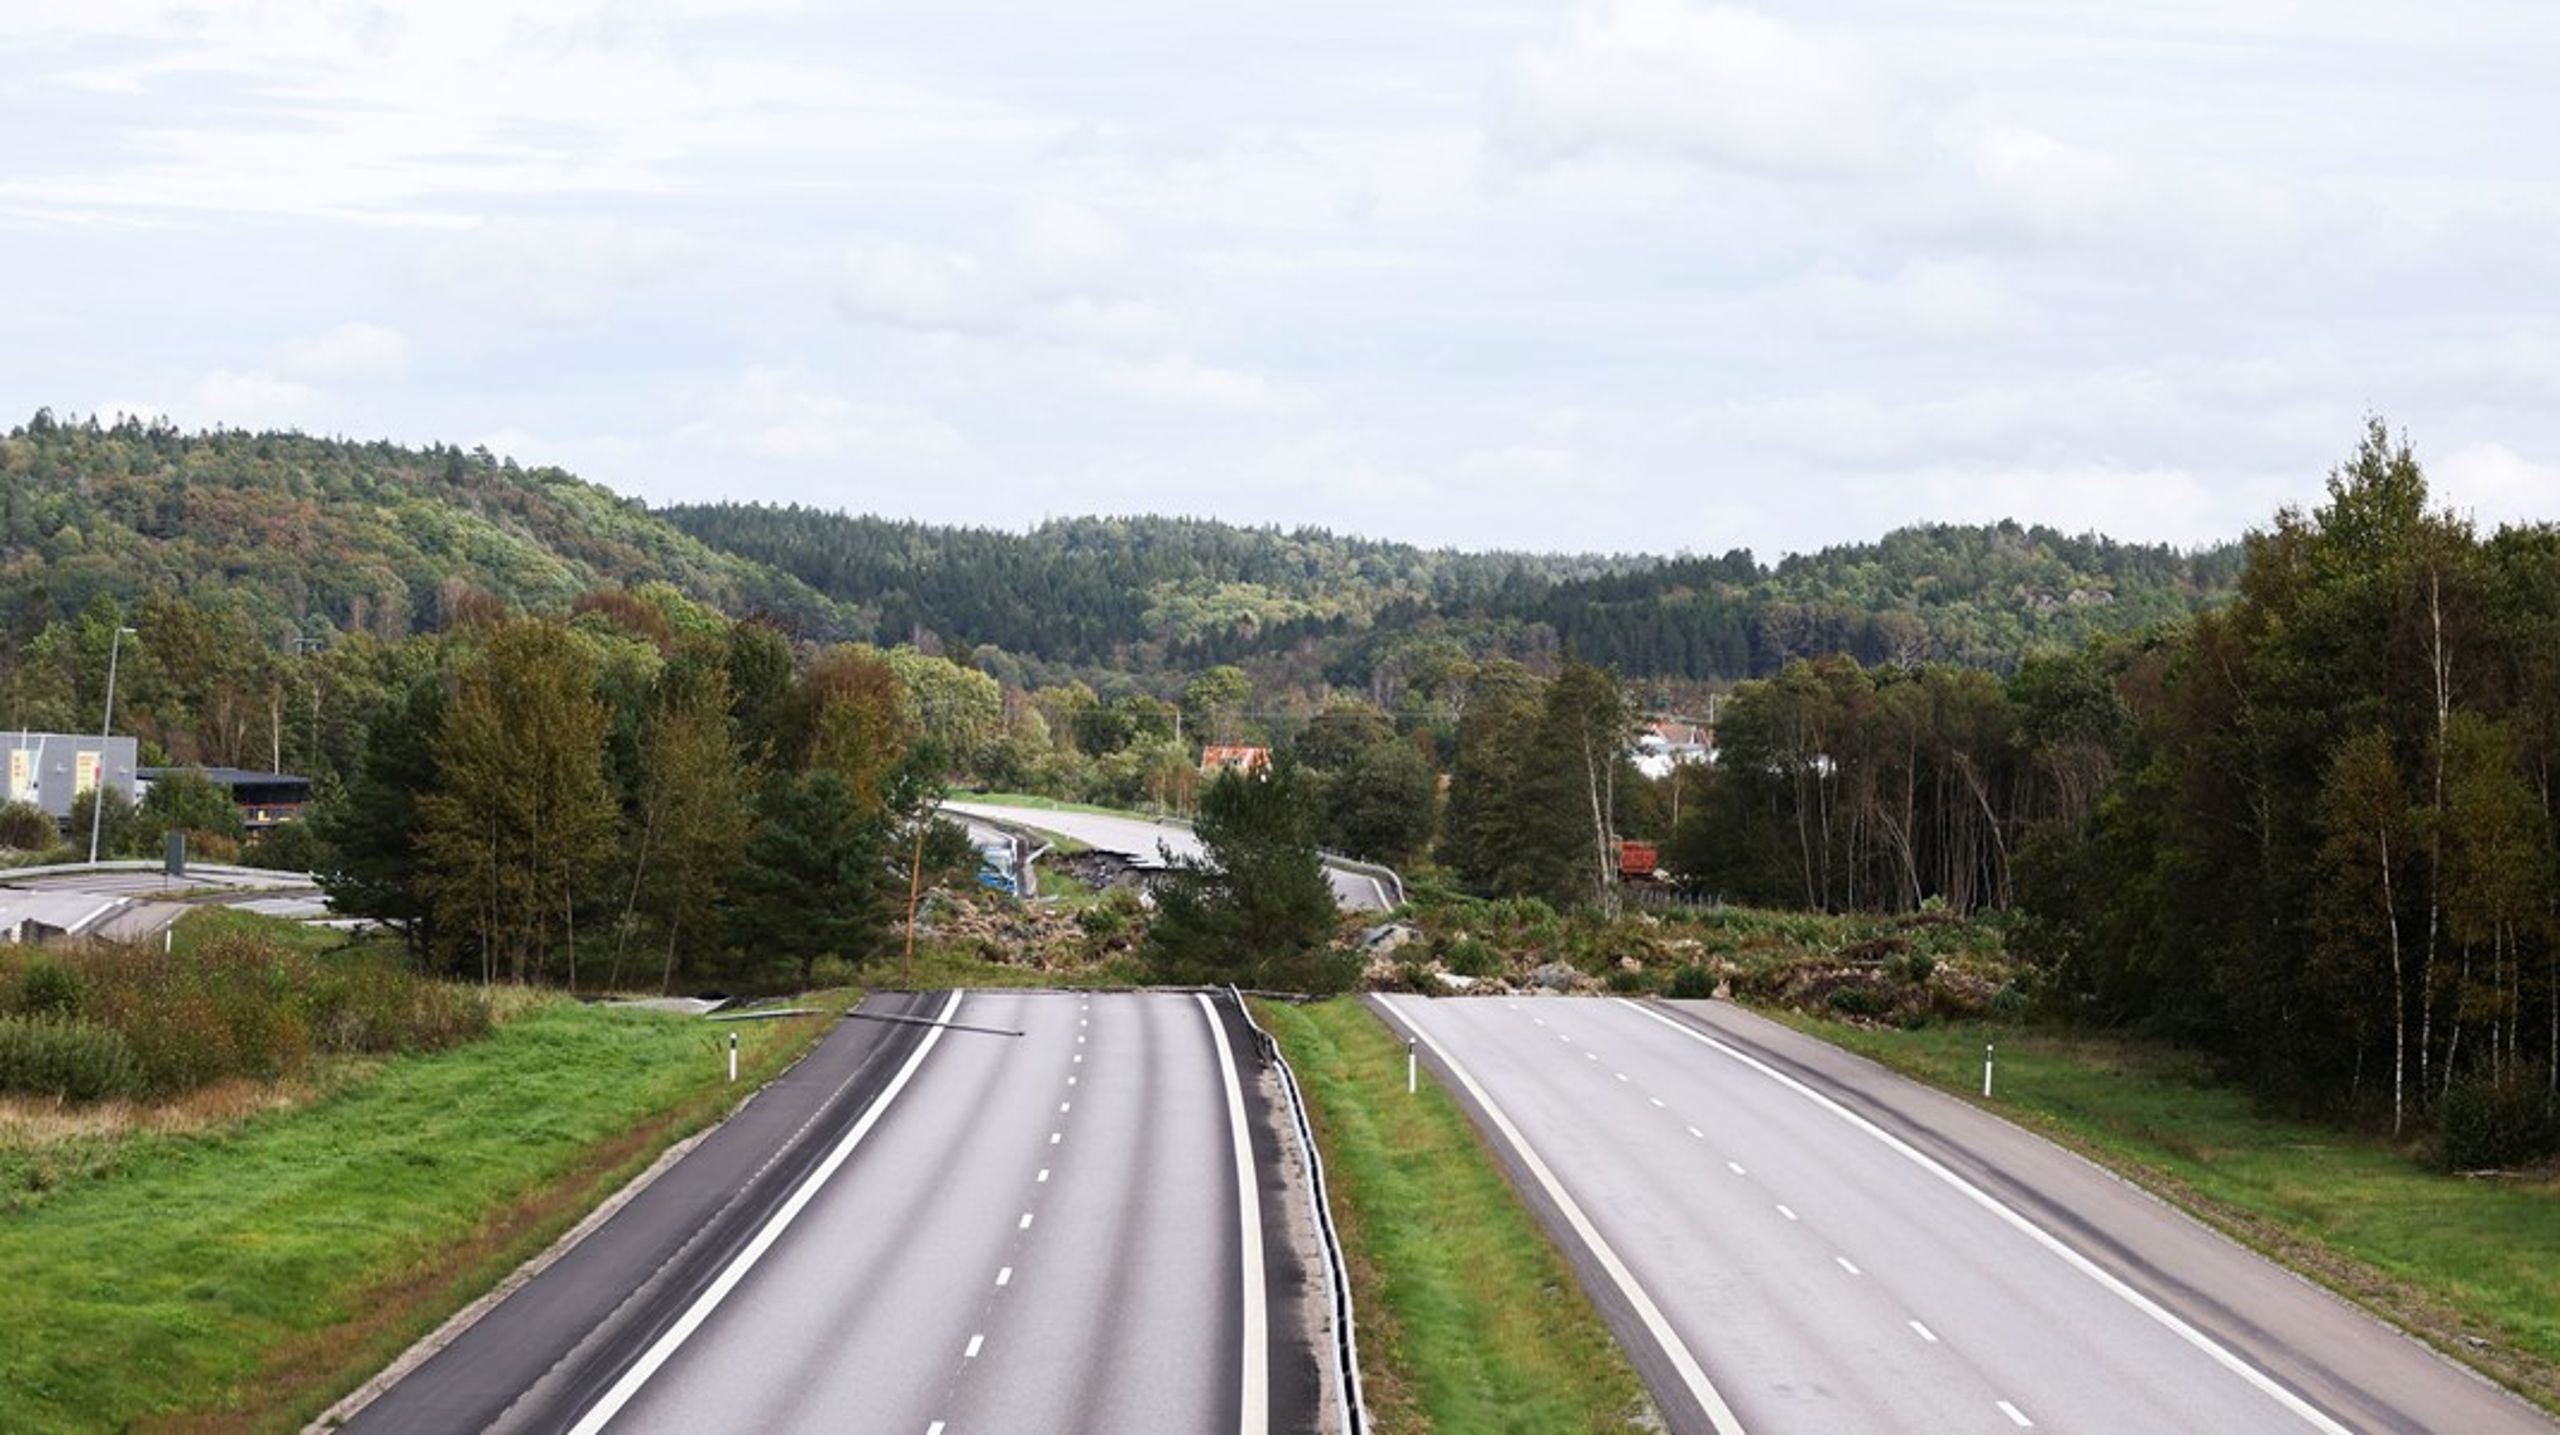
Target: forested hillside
(1154,594)
(308,536)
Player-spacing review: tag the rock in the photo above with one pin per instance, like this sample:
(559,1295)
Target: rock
(1455,981)
(1629,964)
(1386,940)
(1556,977)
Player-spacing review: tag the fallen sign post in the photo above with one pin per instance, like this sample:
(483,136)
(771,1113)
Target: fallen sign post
(929,1021)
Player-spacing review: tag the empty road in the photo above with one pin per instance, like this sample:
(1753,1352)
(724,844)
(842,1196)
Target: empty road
(1791,1239)
(1138,839)
(1072,1229)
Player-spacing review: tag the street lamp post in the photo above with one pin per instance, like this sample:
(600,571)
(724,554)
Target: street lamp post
(98,794)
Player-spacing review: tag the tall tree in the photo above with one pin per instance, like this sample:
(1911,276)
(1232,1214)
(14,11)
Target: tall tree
(1256,909)
(522,820)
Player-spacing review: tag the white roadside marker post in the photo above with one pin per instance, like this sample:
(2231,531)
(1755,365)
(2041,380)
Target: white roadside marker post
(733,1057)
(1412,1076)
(1986,1069)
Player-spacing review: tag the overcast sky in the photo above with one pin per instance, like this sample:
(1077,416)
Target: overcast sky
(1625,275)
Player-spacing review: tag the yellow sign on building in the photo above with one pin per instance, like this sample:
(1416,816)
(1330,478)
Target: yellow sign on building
(22,774)
(84,772)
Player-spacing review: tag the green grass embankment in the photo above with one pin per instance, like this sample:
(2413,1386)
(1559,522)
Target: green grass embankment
(1470,1319)
(2470,1264)
(245,1277)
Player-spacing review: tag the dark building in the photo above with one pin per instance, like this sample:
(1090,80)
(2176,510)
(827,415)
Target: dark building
(265,798)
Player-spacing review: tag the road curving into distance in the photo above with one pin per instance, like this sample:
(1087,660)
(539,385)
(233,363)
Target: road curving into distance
(1081,1227)
(1791,1240)
(1137,838)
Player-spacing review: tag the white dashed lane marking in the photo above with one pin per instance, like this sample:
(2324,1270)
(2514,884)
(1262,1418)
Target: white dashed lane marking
(975,1343)
(1736,1168)
(1924,1332)
(1847,1265)
(1026,1222)
(1004,1277)
(2016,1416)
(1784,1211)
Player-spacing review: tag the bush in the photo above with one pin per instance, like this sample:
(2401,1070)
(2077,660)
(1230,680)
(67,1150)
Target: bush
(2487,1125)
(243,1006)
(25,827)
(49,988)
(1855,1001)
(1693,983)
(73,1060)
(1472,957)
(286,847)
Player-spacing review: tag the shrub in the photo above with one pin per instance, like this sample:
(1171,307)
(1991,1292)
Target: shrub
(286,847)
(73,1060)
(1693,983)
(1855,1001)
(49,988)
(25,827)
(1471,957)
(2485,1125)
(1629,981)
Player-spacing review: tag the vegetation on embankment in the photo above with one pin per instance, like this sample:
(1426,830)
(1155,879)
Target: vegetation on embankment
(1469,1318)
(2470,1265)
(1909,968)
(243,1274)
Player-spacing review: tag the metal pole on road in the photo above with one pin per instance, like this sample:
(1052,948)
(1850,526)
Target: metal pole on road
(1986,1068)
(733,1056)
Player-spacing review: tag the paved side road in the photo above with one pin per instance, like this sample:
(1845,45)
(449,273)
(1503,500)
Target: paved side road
(1078,1228)
(1789,1238)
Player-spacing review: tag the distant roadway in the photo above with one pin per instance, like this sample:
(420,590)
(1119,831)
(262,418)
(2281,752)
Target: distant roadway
(1792,1241)
(965,1231)
(1138,839)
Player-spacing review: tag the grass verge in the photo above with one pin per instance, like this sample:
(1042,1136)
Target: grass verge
(244,1278)
(1469,1319)
(2472,1266)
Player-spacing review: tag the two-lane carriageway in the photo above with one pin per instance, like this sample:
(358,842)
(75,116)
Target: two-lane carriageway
(1061,1230)
(1793,1241)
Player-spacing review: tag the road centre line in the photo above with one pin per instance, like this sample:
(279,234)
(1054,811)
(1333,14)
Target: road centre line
(1004,1277)
(1785,1211)
(976,1343)
(1736,1168)
(1254,1416)
(2115,1286)
(1924,1332)
(2016,1417)
(1683,1362)
(1848,1265)
(1026,1222)
(659,1352)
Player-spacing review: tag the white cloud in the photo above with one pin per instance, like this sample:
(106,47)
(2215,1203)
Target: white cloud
(1180,381)
(354,350)
(1930,298)
(1719,83)
(2495,484)
(790,416)
(249,397)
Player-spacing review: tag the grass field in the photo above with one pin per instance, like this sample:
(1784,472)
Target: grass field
(1470,1320)
(245,1275)
(2471,1264)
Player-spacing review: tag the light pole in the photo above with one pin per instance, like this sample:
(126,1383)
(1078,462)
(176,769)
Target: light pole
(98,794)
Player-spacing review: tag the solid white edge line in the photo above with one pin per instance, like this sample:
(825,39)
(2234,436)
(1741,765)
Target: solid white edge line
(659,1352)
(1691,1374)
(1255,1416)
(2266,1383)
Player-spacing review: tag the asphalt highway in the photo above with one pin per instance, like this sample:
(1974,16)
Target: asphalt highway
(1139,839)
(1061,1230)
(1791,1239)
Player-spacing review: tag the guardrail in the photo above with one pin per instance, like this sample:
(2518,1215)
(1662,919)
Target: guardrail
(1346,1341)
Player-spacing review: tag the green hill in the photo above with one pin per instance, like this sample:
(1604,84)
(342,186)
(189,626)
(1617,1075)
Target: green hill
(309,536)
